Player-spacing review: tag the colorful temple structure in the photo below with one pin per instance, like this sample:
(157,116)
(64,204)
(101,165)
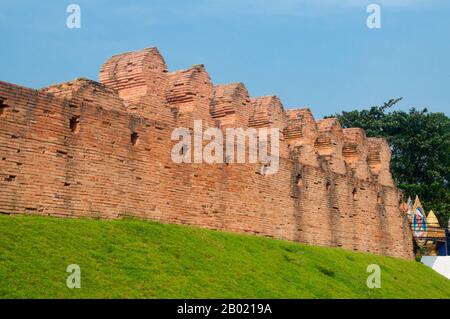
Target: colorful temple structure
(433,239)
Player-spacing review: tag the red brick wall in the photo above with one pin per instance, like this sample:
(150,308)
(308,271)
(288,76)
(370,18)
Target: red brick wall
(67,150)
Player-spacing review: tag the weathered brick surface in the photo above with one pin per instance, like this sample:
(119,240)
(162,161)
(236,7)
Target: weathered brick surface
(84,148)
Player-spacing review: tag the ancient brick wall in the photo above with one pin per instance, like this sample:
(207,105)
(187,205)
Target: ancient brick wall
(84,148)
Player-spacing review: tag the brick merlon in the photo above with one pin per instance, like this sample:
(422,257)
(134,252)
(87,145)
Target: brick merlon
(136,73)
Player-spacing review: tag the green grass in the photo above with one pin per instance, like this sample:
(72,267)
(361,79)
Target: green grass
(141,259)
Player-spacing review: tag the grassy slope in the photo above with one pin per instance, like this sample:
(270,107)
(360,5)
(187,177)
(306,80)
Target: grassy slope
(139,259)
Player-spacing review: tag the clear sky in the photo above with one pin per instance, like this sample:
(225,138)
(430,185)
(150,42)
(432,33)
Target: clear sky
(316,53)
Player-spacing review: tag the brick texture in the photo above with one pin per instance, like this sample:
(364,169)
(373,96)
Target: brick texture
(102,150)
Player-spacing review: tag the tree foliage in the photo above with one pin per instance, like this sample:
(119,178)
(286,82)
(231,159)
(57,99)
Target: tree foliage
(420,144)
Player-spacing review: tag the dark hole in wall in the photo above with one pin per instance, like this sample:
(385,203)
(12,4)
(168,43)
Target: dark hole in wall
(379,198)
(3,106)
(328,185)
(10,178)
(134,138)
(299,180)
(75,124)
(355,194)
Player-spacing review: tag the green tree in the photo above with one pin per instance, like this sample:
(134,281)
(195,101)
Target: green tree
(420,143)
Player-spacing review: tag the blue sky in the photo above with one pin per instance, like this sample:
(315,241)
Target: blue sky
(316,53)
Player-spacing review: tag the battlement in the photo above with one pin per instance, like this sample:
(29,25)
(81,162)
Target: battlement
(136,73)
(355,151)
(193,84)
(268,111)
(82,90)
(103,149)
(302,126)
(190,92)
(231,105)
(379,159)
